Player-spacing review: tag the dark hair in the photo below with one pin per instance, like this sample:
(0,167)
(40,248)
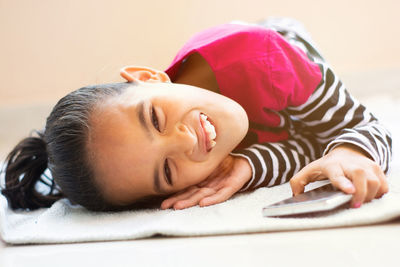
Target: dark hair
(62,148)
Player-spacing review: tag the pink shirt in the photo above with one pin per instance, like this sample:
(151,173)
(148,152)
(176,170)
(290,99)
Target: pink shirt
(257,68)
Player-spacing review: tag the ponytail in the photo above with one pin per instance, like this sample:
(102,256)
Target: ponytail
(62,149)
(25,167)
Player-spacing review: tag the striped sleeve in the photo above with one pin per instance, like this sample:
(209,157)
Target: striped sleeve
(275,163)
(330,117)
(335,117)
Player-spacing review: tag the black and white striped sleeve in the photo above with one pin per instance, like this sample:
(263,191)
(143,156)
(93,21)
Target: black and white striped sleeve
(335,117)
(275,163)
(330,117)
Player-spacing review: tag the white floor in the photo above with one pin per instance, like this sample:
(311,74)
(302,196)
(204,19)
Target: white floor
(375,245)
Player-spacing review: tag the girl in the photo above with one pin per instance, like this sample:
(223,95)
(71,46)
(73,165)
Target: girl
(240,107)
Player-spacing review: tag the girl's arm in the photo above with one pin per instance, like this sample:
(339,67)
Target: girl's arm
(338,125)
(330,117)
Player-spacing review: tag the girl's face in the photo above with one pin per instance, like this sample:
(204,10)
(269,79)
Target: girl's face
(151,140)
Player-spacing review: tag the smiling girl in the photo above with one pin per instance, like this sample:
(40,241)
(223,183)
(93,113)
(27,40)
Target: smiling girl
(240,107)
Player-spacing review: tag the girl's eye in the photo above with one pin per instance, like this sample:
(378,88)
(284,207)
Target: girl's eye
(167,172)
(154,119)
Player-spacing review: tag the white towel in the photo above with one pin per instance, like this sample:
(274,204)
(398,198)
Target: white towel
(63,223)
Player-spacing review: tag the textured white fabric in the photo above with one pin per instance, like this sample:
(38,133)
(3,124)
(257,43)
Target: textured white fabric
(64,223)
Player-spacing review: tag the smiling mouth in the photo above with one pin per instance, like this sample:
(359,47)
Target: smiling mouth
(209,132)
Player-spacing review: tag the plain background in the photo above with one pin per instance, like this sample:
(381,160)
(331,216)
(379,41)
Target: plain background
(51,47)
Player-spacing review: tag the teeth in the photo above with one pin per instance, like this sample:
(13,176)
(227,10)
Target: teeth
(208,127)
(210,130)
(213,143)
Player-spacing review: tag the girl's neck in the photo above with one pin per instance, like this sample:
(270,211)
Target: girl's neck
(196,71)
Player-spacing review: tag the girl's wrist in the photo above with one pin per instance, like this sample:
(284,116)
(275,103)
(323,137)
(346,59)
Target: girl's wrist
(245,167)
(352,148)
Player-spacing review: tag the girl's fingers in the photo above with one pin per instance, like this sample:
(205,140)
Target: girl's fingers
(314,172)
(301,179)
(194,199)
(167,203)
(222,195)
(360,183)
(373,187)
(384,188)
(363,179)
(210,182)
(310,173)
(338,178)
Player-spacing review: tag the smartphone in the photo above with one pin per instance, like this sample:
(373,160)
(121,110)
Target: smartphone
(322,198)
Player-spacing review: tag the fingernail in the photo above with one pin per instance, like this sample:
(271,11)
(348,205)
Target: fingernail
(357,205)
(348,185)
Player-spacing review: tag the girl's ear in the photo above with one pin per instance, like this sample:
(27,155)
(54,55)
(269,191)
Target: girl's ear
(143,74)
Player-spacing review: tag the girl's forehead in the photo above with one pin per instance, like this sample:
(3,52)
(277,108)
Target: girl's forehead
(117,142)
(135,94)
(128,98)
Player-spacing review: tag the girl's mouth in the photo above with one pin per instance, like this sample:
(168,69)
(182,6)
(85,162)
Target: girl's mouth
(209,131)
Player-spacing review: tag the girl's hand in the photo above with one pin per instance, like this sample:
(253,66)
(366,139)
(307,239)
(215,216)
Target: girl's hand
(350,170)
(225,181)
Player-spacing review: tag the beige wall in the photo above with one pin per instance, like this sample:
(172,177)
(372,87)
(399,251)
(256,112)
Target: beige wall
(50,47)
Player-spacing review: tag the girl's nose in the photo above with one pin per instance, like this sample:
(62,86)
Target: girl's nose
(183,140)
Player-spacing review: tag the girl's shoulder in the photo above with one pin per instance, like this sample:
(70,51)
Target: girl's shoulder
(228,33)
(224,44)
